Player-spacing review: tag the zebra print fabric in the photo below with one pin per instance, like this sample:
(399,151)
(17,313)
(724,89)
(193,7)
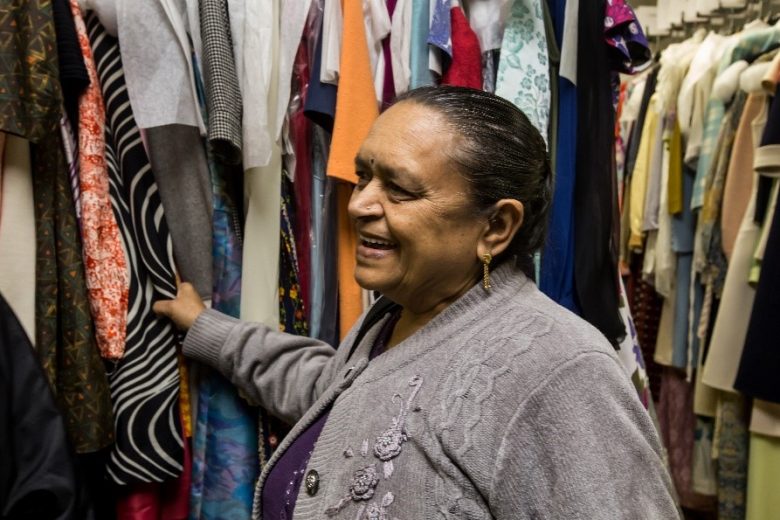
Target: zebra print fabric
(145,382)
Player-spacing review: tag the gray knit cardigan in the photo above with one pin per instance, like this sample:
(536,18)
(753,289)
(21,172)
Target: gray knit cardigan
(504,406)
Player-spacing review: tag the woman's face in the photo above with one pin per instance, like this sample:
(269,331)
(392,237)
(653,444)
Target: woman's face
(417,230)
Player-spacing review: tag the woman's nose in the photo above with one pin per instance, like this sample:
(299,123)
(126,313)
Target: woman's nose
(365,202)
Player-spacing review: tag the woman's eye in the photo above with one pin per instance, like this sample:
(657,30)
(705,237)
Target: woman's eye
(398,191)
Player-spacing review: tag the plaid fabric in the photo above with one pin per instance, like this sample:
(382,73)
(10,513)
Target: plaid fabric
(223,95)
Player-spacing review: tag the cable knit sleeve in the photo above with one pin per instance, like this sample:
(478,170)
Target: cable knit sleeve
(581,446)
(282,372)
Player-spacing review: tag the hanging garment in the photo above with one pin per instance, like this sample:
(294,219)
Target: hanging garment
(74,78)
(488,20)
(732,456)
(356,110)
(760,361)
(350,300)
(383,79)
(649,147)
(557,263)
(264,58)
(30,94)
(320,104)
(401,46)
(356,106)
(739,179)
(731,322)
(332,29)
(624,35)
(323,313)
(65,338)
(161,90)
(763,501)
(223,94)
(225,440)
(465,69)
(421,74)
(292,316)
(104,260)
(157,501)
(523,72)
(595,192)
(440,34)
(145,382)
(17,231)
(37,476)
(262,186)
(713,197)
(748,47)
(665,260)
(178,161)
(299,128)
(675,414)
(71,147)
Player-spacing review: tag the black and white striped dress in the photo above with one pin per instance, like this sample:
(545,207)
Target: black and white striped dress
(145,383)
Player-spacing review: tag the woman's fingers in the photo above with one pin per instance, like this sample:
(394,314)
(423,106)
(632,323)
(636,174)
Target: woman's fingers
(163,308)
(184,310)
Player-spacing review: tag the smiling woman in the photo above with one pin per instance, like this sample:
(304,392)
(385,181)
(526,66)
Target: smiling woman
(465,392)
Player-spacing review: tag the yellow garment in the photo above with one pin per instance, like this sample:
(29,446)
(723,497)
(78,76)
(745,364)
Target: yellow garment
(356,105)
(350,298)
(763,499)
(675,186)
(665,338)
(184,396)
(640,175)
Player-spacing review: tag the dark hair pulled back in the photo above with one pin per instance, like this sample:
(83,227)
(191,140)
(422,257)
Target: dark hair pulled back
(502,156)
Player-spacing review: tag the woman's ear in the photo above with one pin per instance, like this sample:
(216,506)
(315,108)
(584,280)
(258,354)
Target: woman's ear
(506,220)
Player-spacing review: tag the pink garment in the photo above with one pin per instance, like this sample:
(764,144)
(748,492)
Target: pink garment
(300,131)
(678,423)
(104,259)
(465,70)
(154,501)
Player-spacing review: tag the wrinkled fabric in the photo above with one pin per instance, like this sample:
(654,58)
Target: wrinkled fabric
(465,69)
(225,439)
(523,70)
(38,476)
(30,93)
(104,260)
(65,338)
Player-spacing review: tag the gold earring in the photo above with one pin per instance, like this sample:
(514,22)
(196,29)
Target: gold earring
(486,259)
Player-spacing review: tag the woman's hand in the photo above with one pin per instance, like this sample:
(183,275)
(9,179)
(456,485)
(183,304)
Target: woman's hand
(184,310)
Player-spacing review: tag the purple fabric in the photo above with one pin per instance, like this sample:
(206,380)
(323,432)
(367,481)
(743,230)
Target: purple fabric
(623,33)
(440,34)
(280,491)
(388,88)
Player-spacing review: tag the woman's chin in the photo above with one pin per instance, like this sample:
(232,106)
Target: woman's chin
(371,280)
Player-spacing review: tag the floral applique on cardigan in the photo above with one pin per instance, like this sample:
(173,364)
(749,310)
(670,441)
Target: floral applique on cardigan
(387,446)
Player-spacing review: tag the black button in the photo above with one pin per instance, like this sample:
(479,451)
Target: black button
(312,482)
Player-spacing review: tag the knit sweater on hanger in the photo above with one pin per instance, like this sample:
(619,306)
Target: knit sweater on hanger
(505,405)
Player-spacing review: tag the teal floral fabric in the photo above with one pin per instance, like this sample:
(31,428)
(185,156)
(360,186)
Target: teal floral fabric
(523,69)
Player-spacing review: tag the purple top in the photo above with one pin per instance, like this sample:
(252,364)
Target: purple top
(280,490)
(624,35)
